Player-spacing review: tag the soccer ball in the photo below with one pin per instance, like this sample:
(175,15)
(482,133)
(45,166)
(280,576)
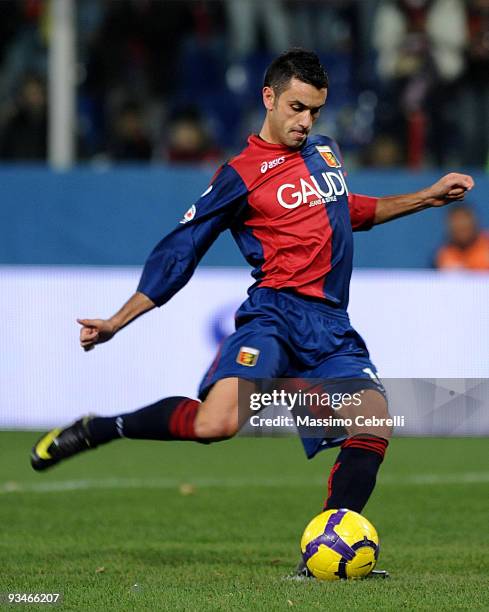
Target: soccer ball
(340,544)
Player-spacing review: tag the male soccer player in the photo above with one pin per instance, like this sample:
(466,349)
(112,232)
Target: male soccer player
(285,199)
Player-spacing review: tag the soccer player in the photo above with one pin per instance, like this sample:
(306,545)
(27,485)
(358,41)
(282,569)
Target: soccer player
(286,201)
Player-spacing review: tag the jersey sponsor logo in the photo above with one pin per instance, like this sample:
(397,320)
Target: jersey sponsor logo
(247,356)
(208,190)
(328,156)
(268,165)
(189,215)
(312,191)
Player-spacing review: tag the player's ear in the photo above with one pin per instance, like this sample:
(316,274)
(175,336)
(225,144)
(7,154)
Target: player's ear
(268,98)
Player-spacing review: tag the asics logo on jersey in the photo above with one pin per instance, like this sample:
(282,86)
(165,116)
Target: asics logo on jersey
(312,191)
(268,165)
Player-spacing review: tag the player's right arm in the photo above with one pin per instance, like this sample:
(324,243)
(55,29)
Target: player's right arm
(174,259)
(97,331)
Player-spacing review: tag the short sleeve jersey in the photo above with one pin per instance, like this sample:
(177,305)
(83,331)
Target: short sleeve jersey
(290,213)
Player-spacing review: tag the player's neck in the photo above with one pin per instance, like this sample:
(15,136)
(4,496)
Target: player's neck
(266,134)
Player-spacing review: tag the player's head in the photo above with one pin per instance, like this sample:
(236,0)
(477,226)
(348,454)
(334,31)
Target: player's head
(462,226)
(294,90)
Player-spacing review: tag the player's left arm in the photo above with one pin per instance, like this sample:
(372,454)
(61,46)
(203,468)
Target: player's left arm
(450,188)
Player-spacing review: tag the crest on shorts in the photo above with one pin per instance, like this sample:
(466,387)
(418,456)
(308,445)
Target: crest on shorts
(247,356)
(328,156)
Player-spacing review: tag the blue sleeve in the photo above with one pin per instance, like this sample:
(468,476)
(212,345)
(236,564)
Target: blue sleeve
(173,260)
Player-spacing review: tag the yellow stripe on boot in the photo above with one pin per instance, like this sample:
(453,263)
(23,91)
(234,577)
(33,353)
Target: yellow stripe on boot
(44,443)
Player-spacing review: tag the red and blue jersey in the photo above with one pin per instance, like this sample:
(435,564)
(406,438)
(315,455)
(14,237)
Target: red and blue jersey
(290,213)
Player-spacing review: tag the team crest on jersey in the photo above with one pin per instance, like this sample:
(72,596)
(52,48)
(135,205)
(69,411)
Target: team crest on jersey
(247,356)
(328,156)
(189,215)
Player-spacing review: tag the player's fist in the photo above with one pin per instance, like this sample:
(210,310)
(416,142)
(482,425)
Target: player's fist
(450,188)
(95,331)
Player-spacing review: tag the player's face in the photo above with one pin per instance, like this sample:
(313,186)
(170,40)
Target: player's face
(292,114)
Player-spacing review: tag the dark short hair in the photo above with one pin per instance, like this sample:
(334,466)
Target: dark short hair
(295,63)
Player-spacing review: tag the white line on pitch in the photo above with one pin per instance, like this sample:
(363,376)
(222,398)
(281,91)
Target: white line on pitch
(171,483)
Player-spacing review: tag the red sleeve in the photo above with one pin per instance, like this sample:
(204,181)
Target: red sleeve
(362,211)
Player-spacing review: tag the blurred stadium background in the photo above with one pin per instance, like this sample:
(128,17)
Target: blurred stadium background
(113,117)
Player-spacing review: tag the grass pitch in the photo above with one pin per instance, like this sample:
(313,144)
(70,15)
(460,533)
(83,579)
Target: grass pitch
(180,526)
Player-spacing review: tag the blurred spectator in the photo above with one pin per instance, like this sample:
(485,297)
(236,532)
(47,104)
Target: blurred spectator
(325,24)
(24,133)
(137,45)
(420,46)
(383,152)
(188,140)
(10,20)
(429,101)
(130,141)
(27,51)
(250,18)
(475,99)
(467,247)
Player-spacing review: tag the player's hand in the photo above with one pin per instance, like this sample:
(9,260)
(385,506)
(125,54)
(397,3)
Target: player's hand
(450,188)
(95,331)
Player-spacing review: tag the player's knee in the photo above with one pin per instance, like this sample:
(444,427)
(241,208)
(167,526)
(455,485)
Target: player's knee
(374,418)
(386,432)
(211,429)
(378,431)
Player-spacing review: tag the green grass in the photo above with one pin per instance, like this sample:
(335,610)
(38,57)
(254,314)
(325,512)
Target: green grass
(228,544)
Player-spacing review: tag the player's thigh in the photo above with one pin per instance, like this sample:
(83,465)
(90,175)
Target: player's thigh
(252,353)
(219,415)
(368,415)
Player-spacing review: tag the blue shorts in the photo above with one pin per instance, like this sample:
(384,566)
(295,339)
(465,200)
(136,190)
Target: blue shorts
(280,334)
